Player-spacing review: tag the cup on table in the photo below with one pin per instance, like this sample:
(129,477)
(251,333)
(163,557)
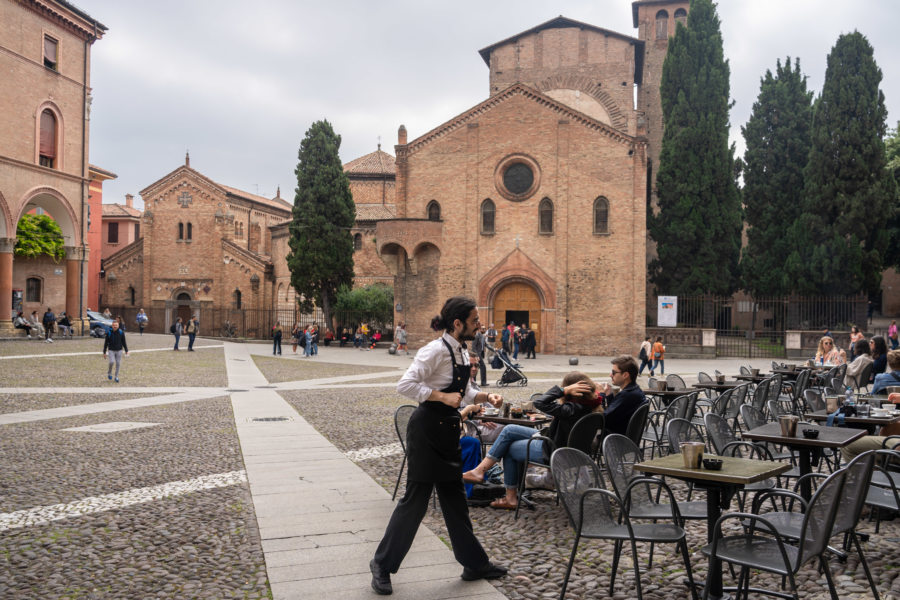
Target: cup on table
(661,386)
(720,379)
(754,372)
(692,453)
(789,425)
(506,409)
(862,409)
(887,406)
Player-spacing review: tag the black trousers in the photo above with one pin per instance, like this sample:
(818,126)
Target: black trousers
(408,515)
(483,370)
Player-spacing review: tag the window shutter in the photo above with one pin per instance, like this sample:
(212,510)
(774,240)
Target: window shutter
(48,134)
(50,50)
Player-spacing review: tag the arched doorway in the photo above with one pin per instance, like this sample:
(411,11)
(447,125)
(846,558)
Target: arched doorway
(183,309)
(518,302)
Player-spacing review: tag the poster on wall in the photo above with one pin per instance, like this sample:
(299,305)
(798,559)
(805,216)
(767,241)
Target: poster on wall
(667,311)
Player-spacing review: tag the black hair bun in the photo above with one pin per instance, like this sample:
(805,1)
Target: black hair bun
(437,323)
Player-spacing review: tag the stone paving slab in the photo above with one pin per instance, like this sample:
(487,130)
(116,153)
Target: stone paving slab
(344,512)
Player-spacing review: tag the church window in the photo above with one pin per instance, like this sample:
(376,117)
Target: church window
(236,296)
(434,211)
(488,210)
(357,242)
(545,213)
(137,231)
(33,289)
(190,232)
(518,178)
(601,215)
(51,53)
(662,25)
(48,141)
(112,233)
(181,231)
(237,230)
(681,16)
(131,294)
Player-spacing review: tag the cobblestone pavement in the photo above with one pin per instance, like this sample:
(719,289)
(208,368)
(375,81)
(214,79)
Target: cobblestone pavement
(203,542)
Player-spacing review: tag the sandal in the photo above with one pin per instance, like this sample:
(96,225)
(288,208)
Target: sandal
(469,477)
(503,503)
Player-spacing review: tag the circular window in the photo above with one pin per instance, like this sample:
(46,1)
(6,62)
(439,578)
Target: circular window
(517,177)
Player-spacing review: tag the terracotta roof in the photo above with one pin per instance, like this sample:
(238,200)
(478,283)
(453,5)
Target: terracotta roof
(374,212)
(120,210)
(376,163)
(274,202)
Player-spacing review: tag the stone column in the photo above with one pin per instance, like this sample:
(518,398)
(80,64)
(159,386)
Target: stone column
(6,274)
(74,255)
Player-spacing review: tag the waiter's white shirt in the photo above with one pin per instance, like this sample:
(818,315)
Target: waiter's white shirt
(432,369)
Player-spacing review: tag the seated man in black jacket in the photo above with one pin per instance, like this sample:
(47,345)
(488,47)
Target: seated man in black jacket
(620,406)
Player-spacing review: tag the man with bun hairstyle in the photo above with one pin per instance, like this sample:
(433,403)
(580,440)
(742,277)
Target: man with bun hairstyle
(438,380)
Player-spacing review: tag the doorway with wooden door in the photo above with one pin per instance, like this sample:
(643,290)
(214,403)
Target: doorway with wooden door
(184,307)
(518,302)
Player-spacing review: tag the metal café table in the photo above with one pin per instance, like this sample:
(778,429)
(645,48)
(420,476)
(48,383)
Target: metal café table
(829,437)
(869,423)
(751,378)
(667,395)
(538,420)
(720,488)
(718,387)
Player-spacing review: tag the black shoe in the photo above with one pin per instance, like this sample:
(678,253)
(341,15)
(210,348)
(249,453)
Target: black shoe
(488,571)
(381,581)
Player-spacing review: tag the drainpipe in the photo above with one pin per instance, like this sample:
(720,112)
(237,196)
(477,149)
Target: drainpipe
(84,176)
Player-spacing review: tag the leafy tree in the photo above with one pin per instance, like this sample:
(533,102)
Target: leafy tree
(369,303)
(892,153)
(698,226)
(37,235)
(321,255)
(848,195)
(777,138)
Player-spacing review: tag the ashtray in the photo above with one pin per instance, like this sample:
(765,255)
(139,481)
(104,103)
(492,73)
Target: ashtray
(713,464)
(811,434)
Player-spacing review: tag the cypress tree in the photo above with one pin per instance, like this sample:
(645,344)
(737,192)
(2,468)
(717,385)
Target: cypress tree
(892,151)
(698,226)
(321,255)
(848,194)
(777,140)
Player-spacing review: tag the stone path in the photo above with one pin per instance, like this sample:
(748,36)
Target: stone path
(320,516)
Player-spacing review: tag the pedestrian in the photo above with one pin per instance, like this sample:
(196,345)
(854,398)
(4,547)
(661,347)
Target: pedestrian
(141,320)
(276,339)
(177,329)
(22,323)
(438,380)
(193,328)
(64,325)
(478,354)
(329,336)
(492,336)
(504,339)
(113,347)
(516,341)
(892,334)
(49,322)
(659,357)
(314,339)
(530,342)
(401,338)
(295,337)
(307,341)
(644,355)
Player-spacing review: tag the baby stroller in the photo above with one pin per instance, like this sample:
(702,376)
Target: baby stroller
(512,373)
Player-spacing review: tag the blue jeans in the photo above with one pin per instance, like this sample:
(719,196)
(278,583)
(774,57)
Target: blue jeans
(659,363)
(510,447)
(471,456)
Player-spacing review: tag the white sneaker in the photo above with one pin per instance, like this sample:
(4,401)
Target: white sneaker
(50,340)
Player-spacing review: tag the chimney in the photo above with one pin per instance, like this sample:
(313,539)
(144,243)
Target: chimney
(129,200)
(401,135)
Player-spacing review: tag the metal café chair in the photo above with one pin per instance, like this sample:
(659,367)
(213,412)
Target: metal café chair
(675,382)
(655,432)
(637,423)
(597,513)
(401,421)
(770,552)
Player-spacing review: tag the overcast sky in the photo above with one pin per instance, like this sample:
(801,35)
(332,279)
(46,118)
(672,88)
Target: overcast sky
(239,83)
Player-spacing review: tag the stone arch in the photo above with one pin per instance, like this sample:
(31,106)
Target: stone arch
(59,208)
(518,299)
(588,86)
(7,226)
(394,256)
(60,133)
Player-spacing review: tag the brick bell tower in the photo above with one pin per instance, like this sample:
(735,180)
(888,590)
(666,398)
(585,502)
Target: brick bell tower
(655,21)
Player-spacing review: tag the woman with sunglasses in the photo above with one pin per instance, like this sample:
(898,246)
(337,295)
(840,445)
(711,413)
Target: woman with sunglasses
(827,354)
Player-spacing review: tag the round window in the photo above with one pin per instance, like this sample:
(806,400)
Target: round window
(518,178)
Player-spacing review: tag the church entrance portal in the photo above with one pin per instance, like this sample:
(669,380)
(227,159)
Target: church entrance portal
(184,309)
(519,303)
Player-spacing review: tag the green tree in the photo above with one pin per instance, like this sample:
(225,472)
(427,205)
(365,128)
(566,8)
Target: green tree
(37,235)
(321,255)
(849,195)
(892,154)
(369,303)
(777,139)
(698,226)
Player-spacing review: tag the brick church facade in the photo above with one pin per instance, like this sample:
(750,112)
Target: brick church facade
(534,201)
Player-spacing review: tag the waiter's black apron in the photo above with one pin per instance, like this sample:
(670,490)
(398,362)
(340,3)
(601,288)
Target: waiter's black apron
(432,437)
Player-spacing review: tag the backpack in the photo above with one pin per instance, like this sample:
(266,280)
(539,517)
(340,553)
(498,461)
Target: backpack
(172,329)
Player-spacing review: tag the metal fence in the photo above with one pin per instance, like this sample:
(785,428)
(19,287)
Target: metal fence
(745,313)
(246,323)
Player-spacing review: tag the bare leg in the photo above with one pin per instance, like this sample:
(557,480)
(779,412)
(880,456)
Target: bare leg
(476,475)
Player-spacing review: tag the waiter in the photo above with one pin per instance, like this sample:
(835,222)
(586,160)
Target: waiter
(438,380)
